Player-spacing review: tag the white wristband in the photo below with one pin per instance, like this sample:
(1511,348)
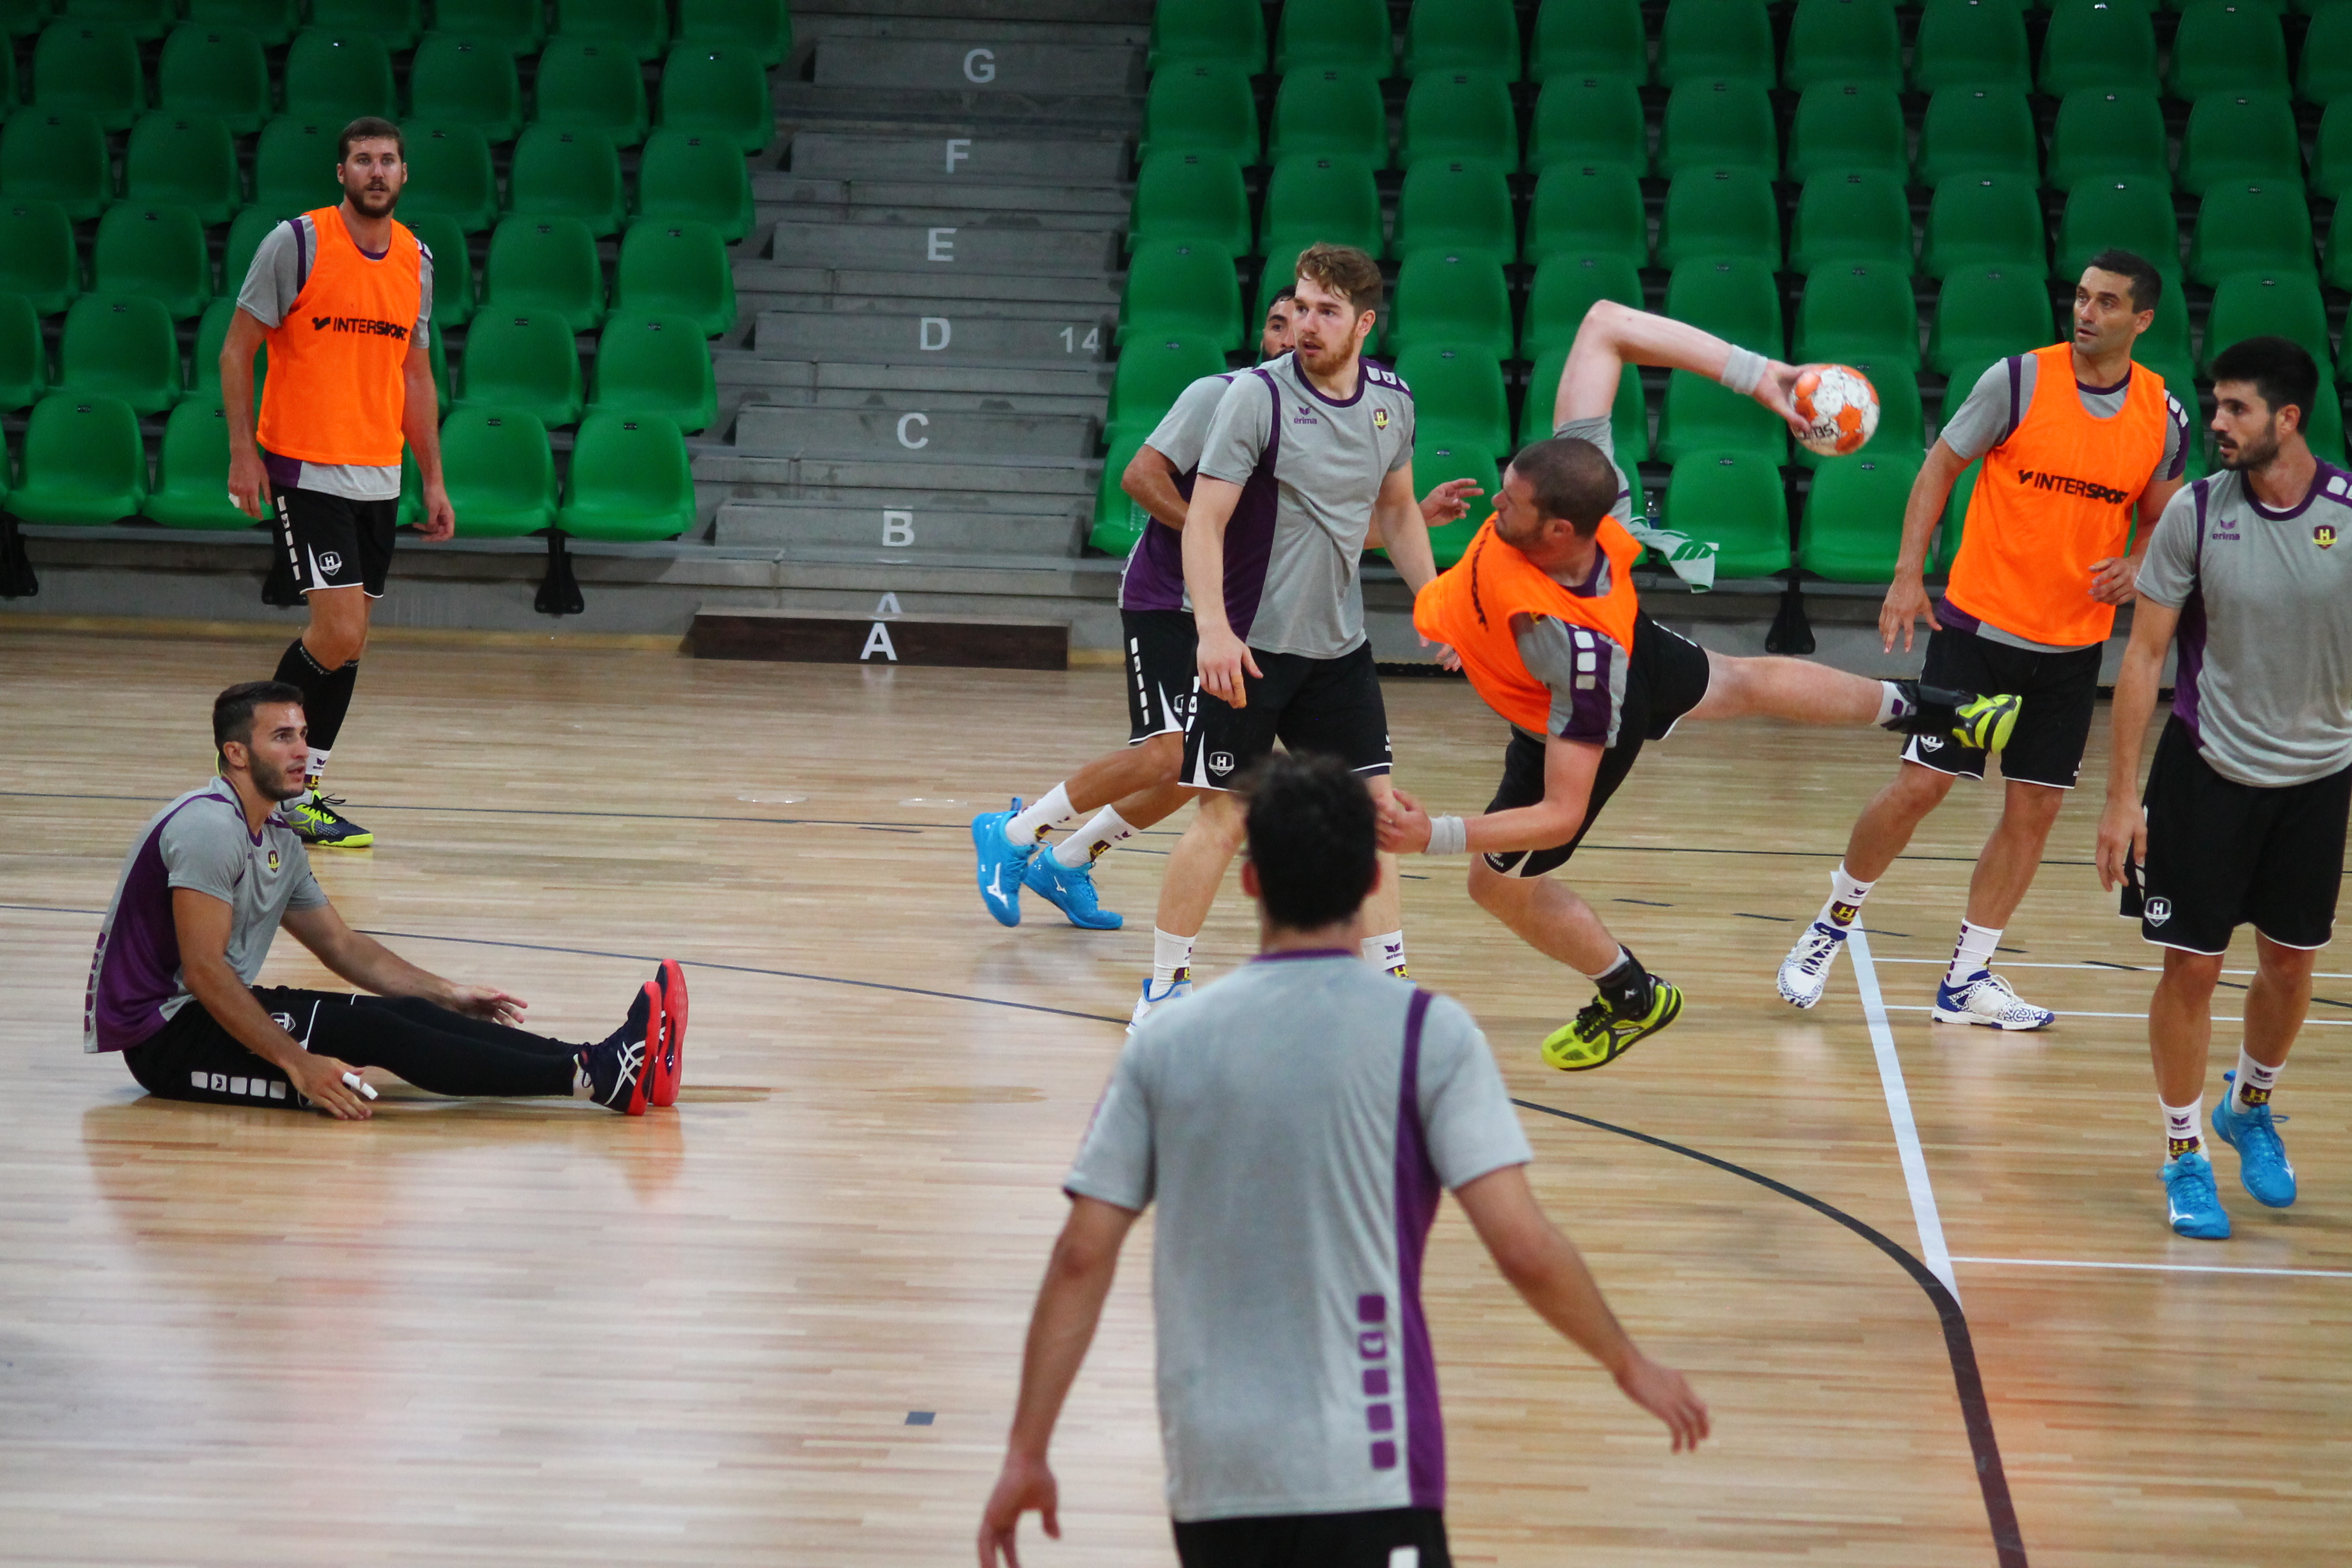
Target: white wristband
(1743,371)
(1448,836)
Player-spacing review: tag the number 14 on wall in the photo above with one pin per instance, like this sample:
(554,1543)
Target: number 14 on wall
(1073,343)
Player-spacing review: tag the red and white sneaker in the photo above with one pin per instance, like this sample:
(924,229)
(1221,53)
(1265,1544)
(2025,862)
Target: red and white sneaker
(669,1060)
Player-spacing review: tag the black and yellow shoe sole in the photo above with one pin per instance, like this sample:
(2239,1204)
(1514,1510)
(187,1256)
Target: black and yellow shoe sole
(1563,1051)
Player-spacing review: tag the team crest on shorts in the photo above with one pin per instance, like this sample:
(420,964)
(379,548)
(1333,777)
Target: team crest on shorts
(331,562)
(2323,534)
(1221,761)
(1379,418)
(2159,910)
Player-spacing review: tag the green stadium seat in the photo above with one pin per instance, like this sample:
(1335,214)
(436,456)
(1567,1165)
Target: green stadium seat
(24,356)
(452,267)
(1175,288)
(2224,45)
(272,22)
(1719,125)
(2134,214)
(1457,206)
(1717,40)
(37,259)
(1984,313)
(1351,33)
(1321,198)
(2108,46)
(566,174)
(1439,455)
(335,78)
(22,18)
(1629,418)
(461,81)
(57,155)
(1119,522)
(1852,529)
(1902,426)
(638,28)
(2258,225)
(2108,135)
(594,87)
(2237,136)
(653,365)
(1720,211)
(2166,338)
(1733,499)
(191,471)
(154,251)
(499,472)
(526,361)
(1151,375)
(1589,37)
(294,164)
(2326,73)
(449,175)
(629,480)
(2335,265)
(519,26)
(2325,428)
(1192,195)
(1329,113)
(1590,120)
(244,236)
(545,265)
(92,66)
(1201,106)
(441,374)
(2258,304)
(216,71)
(395,24)
(1859,313)
(718,92)
(1587,210)
(8,89)
(695,178)
(183,160)
(84,463)
(763,27)
(1980,220)
(1736,298)
(121,347)
(1458,392)
(1956,510)
(1462,36)
(1219,31)
(144,20)
(1977,130)
(1971,43)
(1842,41)
(1565,288)
(1449,301)
(204,363)
(1844,126)
(1455,114)
(1864,215)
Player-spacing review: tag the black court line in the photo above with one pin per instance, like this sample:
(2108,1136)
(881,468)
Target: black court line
(2001,1512)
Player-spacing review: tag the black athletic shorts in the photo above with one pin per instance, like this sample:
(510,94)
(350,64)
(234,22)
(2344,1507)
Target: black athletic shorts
(335,541)
(1664,680)
(1327,705)
(2221,854)
(2060,689)
(1161,671)
(1383,1538)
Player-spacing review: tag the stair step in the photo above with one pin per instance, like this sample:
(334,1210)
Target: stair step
(915,201)
(889,529)
(1127,13)
(779,209)
(964,248)
(855,480)
(1009,67)
(1106,28)
(951,338)
(903,294)
(1011,158)
(1033,113)
(884,434)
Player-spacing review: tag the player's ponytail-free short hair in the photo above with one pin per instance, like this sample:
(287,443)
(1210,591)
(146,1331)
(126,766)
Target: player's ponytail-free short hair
(2147,282)
(233,709)
(1572,479)
(1311,837)
(1283,295)
(2281,368)
(1345,270)
(368,128)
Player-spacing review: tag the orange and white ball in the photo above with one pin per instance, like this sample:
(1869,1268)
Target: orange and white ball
(1839,406)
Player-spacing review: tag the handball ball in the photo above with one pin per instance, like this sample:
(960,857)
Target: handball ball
(1839,406)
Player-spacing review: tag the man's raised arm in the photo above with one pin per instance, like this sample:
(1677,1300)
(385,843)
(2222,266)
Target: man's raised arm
(1615,336)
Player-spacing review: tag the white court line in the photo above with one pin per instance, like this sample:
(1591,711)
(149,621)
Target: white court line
(2093,968)
(2158,1267)
(1932,1251)
(2084,1013)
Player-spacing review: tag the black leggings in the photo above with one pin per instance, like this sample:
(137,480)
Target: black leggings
(192,1058)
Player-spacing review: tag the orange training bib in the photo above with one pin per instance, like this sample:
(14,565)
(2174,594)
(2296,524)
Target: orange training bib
(336,391)
(1469,608)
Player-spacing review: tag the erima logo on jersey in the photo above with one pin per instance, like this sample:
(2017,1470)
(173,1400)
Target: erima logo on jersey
(2067,485)
(2158,911)
(363,325)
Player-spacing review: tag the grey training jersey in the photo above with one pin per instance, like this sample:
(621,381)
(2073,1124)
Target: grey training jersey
(1584,669)
(1295,1126)
(2265,682)
(198,841)
(1154,578)
(282,265)
(1310,468)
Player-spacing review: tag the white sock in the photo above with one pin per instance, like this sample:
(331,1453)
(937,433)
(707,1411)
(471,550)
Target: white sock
(1107,828)
(582,1086)
(1171,955)
(1612,966)
(1973,951)
(1845,900)
(1047,815)
(2254,1083)
(1892,704)
(1385,951)
(2180,1122)
(315,767)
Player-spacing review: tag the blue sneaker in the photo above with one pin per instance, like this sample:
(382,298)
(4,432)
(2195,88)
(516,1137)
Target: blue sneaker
(1001,865)
(2195,1207)
(1071,890)
(2261,1158)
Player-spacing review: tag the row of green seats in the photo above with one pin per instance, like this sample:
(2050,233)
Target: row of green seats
(640,28)
(629,479)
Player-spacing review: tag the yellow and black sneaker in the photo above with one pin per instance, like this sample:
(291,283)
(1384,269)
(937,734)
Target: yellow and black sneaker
(314,819)
(1601,1034)
(1983,722)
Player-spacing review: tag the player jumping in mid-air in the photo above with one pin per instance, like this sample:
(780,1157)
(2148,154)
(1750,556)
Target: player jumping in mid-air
(1543,611)
(2074,438)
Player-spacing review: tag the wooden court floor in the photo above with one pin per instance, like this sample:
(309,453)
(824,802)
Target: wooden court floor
(533,1332)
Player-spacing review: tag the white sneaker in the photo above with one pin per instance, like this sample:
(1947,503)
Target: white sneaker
(1805,972)
(1986,1000)
(1180,986)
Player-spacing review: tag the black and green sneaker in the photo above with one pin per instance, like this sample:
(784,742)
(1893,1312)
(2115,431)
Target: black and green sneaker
(315,820)
(1981,721)
(1602,1033)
